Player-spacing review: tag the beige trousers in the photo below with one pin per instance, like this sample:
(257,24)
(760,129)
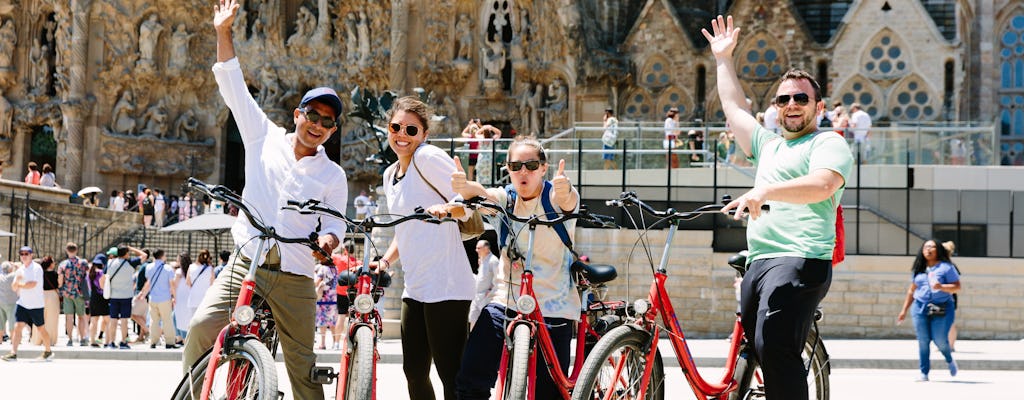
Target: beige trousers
(160,319)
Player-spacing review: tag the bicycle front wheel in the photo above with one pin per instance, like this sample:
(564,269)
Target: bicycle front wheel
(751,385)
(360,370)
(615,368)
(518,371)
(246,368)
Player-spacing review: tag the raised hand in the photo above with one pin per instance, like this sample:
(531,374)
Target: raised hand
(723,42)
(561,184)
(224,14)
(458,177)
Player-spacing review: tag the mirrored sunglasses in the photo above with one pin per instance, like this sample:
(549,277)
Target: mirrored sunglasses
(410,130)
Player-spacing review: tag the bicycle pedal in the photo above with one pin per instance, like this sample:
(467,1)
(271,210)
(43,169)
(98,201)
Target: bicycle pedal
(322,375)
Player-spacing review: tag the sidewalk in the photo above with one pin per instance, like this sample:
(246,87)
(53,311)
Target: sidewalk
(845,353)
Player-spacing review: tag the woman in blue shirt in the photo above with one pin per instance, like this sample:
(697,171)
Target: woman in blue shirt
(933,282)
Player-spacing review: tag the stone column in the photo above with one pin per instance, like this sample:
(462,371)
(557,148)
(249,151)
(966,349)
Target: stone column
(399,44)
(75,107)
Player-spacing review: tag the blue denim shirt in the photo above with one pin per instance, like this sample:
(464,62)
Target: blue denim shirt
(945,273)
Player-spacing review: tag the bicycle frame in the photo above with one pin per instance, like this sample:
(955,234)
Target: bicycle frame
(541,337)
(245,295)
(660,302)
(364,286)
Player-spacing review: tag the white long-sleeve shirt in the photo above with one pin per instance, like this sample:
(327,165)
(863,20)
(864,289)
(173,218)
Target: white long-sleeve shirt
(273,176)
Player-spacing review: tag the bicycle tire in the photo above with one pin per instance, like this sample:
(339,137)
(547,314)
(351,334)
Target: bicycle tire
(360,369)
(623,346)
(518,370)
(818,371)
(261,379)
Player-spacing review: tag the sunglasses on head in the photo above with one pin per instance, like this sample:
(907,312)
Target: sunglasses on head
(315,117)
(800,99)
(410,130)
(531,165)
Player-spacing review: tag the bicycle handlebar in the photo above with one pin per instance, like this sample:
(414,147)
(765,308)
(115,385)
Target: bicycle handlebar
(630,198)
(222,193)
(584,214)
(313,206)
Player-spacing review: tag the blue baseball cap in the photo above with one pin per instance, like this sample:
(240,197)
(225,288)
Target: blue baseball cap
(100,259)
(26,249)
(326,96)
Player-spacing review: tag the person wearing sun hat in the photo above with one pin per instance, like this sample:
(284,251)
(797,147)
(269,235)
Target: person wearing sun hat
(29,285)
(279,166)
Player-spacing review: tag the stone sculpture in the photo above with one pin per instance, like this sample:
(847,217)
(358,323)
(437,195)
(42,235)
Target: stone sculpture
(124,123)
(149,34)
(179,48)
(155,120)
(8,38)
(363,30)
(186,126)
(464,30)
(6,116)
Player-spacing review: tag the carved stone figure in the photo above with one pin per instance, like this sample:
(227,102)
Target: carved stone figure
(149,34)
(155,120)
(124,123)
(186,126)
(179,48)
(363,30)
(271,91)
(40,77)
(8,38)
(495,60)
(303,27)
(351,39)
(6,116)
(558,103)
(524,108)
(535,100)
(464,30)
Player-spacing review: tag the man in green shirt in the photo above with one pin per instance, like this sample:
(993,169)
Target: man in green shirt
(801,175)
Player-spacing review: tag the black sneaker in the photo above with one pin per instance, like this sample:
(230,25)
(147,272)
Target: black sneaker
(171,346)
(152,346)
(123,346)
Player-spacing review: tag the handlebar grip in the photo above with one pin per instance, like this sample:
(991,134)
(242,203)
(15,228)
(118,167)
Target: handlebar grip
(295,203)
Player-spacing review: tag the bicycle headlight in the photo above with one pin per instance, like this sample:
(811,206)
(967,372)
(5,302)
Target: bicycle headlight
(641,306)
(526,304)
(244,315)
(363,303)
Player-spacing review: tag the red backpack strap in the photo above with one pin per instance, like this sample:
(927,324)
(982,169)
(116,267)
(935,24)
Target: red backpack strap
(839,251)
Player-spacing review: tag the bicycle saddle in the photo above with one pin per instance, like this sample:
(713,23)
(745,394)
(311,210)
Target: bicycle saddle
(738,262)
(595,273)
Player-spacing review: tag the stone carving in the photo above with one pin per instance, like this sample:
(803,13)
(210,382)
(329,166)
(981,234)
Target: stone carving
(494,60)
(124,123)
(557,104)
(303,28)
(155,120)
(464,31)
(534,103)
(363,31)
(186,126)
(272,93)
(179,48)
(8,38)
(40,77)
(149,34)
(155,157)
(6,116)
(351,39)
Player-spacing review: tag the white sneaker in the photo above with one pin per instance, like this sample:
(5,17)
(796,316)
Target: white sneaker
(921,378)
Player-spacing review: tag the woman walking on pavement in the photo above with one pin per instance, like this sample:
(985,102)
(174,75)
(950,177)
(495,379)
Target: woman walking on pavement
(930,302)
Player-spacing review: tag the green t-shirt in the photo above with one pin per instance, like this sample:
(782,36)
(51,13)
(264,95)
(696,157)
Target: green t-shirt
(796,230)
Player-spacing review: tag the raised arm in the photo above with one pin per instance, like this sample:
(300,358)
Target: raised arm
(223,17)
(730,92)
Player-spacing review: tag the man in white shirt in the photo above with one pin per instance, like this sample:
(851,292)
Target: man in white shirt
(362,203)
(860,124)
(159,208)
(488,266)
(771,118)
(29,285)
(278,167)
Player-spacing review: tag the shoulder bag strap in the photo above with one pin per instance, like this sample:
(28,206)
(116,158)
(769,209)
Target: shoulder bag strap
(445,199)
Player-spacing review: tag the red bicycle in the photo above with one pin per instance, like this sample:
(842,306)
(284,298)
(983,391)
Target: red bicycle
(357,373)
(241,363)
(526,333)
(626,363)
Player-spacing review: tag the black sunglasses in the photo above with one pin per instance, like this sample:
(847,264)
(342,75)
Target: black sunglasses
(315,117)
(410,130)
(800,99)
(531,165)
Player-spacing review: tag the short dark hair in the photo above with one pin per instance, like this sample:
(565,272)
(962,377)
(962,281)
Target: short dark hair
(224,255)
(158,254)
(798,74)
(71,246)
(122,251)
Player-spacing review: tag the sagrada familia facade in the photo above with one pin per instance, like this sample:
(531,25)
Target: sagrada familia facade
(117,92)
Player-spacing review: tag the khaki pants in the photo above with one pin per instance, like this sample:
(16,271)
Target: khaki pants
(293,300)
(51,307)
(160,317)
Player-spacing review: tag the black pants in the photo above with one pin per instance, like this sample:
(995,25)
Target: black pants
(433,333)
(777,301)
(481,361)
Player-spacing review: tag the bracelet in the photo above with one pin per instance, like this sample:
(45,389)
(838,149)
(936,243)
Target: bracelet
(386,263)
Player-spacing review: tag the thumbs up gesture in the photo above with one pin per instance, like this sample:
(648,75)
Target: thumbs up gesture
(459,184)
(561,184)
